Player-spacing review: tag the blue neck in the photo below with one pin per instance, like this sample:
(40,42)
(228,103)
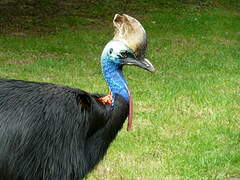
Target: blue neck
(114,78)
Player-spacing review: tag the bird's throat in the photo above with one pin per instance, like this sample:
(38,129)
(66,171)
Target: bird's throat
(117,85)
(115,80)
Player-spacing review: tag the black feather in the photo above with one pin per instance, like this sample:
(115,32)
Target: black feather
(53,132)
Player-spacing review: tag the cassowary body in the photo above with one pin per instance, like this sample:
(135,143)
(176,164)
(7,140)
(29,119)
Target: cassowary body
(50,132)
(54,132)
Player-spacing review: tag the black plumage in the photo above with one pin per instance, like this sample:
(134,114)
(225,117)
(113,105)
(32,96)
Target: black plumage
(53,132)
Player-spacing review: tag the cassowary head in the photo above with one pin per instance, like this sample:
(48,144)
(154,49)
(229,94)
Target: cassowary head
(128,47)
(129,44)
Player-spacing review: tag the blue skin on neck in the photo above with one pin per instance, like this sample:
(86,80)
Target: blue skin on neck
(112,69)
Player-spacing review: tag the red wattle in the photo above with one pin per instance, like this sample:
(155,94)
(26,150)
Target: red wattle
(130,115)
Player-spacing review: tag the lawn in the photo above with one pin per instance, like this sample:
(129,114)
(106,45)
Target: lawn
(186,116)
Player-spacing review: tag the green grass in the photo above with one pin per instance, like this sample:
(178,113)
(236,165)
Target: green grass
(187,115)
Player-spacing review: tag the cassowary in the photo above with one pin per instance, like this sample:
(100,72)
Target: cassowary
(55,132)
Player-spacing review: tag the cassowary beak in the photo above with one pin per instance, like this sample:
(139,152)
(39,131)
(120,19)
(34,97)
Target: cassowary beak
(142,63)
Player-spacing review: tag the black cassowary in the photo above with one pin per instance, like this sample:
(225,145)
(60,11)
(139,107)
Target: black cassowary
(54,132)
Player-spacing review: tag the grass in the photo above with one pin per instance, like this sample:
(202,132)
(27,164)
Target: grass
(187,115)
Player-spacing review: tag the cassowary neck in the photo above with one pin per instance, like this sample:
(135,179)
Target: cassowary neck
(114,78)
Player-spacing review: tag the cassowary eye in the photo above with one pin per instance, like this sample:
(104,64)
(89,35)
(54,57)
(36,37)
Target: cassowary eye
(110,51)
